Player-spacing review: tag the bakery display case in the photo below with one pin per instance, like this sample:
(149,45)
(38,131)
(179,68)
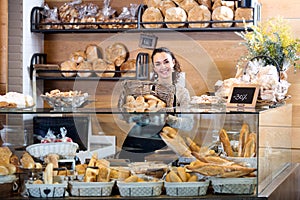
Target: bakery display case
(269,160)
(135,16)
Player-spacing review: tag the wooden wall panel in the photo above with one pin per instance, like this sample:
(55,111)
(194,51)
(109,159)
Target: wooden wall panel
(3,45)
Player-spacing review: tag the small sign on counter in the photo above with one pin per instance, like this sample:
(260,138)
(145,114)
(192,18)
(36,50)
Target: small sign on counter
(243,95)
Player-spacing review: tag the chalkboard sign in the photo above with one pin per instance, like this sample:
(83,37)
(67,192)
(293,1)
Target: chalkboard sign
(243,95)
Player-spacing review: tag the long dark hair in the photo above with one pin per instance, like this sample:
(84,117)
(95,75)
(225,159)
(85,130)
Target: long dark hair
(177,68)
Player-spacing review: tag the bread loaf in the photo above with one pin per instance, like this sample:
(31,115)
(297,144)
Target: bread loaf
(152,14)
(92,52)
(129,65)
(175,14)
(164,5)
(243,14)
(199,13)
(48,174)
(109,71)
(187,5)
(225,142)
(99,65)
(68,66)
(84,66)
(243,137)
(207,3)
(78,56)
(222,13)
(116,53)
(5,155)
(27,161)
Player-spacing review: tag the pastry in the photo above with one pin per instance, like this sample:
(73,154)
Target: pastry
(152,14)
(92,52)
(68,66)
(164,5)
(27,161)
(116,54)
(225,142)
(129,65)
(222,13)
(199,13)
(175,14)
(3,170)
(243,14)
(84,66)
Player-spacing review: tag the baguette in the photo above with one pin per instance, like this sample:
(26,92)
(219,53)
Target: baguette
(250,146)
(225,142)
(48,174)
(244,134)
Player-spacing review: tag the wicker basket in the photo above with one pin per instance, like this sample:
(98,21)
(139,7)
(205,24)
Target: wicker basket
(47,190)
(186,188)
(140,189)
(85,189)
(135,88)
(234,185)
(64,149)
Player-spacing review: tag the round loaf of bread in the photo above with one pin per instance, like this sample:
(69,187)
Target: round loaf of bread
(152,3)
(243,14)
(175,14)
(164,5)
(129,65)
(116,54)
(68,65)
(99,66)
(207,3)
(92,52)
(152,14)
(199,13)
(109,71)
(84,66)
(222,13)
(187,5)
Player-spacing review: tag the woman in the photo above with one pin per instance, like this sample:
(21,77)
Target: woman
(143,140)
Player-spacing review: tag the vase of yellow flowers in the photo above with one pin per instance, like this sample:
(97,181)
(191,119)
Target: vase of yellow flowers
(272,38)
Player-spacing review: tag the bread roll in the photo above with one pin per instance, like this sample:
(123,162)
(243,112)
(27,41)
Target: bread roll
(174,177)
(92,52)
(11,168)
(84,66)
(3,170)
(5,155)
(116,53)
(182,174)
(129,65)
(132,178)
(68,65)
(78,56)
(222,13)
(27,161)
(175,14)
(243,14)
(164,5)
(193,178)
(225,142)
(199,13)
(152,14)
(187,5)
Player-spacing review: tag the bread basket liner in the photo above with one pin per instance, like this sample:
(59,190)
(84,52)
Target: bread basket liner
(140,188)
(47,190)
(186,188)
(91,188)
(65,149)
(234,185)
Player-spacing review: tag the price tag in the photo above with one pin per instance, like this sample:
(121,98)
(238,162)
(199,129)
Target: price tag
(243,95)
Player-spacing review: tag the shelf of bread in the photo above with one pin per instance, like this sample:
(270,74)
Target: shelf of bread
(92,63)
(192,15)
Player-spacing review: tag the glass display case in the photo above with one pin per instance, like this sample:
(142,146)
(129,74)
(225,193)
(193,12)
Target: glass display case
(272,146)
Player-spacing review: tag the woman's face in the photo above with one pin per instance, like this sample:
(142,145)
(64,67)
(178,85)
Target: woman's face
(163,65)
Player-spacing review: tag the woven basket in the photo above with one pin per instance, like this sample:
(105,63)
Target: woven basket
(136,88)
(234,185)
(140,189)
(186,188)
(91,189)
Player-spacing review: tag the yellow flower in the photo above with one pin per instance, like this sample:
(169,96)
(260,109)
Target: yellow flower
(272,38)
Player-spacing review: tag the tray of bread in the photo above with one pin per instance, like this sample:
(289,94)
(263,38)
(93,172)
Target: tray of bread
(16,101)
(70,99)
